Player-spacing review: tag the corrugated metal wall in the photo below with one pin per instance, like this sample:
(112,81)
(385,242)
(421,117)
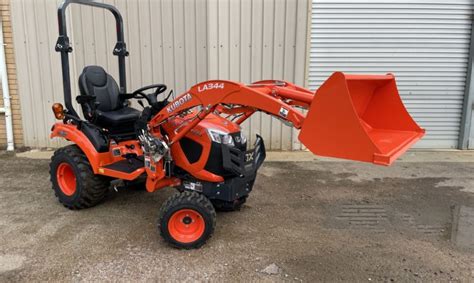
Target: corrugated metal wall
(425,43)
(178,42)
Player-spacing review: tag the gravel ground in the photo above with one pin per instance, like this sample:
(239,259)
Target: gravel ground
(304,221)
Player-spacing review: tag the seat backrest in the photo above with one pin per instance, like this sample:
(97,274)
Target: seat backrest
(95,82)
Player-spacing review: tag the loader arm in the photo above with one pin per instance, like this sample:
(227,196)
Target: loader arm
(237,99)
(356,117)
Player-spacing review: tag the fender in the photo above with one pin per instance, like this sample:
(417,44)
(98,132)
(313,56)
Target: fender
(73,134)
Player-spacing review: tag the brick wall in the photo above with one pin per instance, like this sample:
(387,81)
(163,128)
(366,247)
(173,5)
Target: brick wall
(12,81)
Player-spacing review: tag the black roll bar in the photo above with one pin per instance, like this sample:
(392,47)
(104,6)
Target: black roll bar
(63,46)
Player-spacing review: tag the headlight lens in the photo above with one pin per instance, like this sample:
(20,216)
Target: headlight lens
(243,138)
(220,137)
(227,139)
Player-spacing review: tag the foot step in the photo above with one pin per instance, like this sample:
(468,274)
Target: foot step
(127,165)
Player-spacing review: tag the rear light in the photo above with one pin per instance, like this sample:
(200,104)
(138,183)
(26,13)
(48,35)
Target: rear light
(58,111)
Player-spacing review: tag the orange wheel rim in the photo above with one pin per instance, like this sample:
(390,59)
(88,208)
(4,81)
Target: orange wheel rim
(186,225)
(66,179)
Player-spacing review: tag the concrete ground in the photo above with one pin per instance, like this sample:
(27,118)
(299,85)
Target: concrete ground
(311,220)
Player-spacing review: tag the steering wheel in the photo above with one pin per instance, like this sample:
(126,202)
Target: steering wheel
(151,98)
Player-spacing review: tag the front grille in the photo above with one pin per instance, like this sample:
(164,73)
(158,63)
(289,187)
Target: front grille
(191,149)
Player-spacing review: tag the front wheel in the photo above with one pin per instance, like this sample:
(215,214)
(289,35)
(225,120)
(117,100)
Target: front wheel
(222,205)
(235,205)
(187,220)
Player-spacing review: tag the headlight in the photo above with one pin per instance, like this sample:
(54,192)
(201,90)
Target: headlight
(243,138)
(220,137)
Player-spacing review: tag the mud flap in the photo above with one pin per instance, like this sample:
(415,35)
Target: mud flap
(359,117)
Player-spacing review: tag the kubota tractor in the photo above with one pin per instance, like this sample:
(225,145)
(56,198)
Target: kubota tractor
(194,142)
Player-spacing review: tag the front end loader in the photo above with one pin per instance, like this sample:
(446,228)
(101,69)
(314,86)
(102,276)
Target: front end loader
(194,142)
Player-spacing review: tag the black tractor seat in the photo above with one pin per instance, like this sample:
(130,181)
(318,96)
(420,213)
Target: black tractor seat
(117,118)
(102,104)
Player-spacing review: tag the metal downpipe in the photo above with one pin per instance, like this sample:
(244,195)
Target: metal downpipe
(6,94)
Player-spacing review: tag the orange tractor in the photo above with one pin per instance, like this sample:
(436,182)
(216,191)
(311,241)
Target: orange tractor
(194,142)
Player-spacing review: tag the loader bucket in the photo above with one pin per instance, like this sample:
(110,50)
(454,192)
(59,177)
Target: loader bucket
(359,117)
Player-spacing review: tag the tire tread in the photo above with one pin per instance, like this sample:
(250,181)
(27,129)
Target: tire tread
(94,187)
(191,198)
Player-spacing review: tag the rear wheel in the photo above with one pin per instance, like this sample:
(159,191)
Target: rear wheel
(74,182)
(187,220)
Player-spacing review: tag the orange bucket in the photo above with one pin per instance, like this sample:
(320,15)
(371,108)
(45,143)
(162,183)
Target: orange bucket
(359,117)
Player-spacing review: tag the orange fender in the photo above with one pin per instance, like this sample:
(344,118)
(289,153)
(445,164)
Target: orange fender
(73,134)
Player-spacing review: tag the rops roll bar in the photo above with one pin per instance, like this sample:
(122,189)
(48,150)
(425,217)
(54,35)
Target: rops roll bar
(63,46)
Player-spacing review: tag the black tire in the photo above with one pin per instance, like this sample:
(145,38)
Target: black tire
(89,189)
(235,205)
(180,203)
